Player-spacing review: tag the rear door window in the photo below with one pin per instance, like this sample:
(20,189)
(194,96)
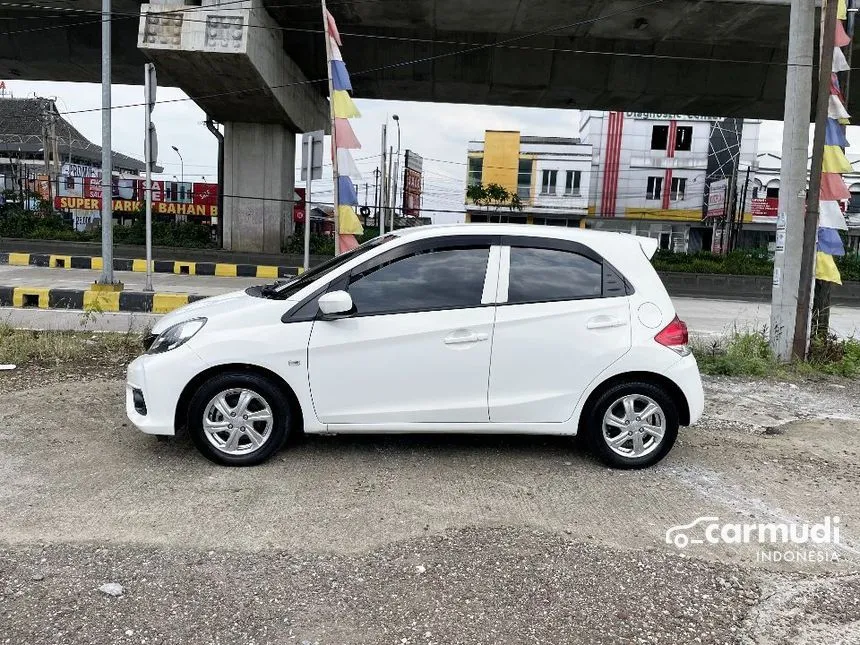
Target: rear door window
(546,275)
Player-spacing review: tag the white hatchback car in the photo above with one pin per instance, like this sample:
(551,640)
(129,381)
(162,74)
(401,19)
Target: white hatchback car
(491,328)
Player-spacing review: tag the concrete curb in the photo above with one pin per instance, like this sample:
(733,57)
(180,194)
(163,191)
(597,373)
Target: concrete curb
(94,301)
(220,269)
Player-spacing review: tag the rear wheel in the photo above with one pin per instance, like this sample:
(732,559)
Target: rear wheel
(238,419)
(632,425)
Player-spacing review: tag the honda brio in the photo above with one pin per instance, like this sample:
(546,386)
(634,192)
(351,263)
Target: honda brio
(469,328)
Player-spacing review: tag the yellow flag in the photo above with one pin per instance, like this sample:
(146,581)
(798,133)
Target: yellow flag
(842,10)
(835,161)
(344,108)
(348,221)
(825,268)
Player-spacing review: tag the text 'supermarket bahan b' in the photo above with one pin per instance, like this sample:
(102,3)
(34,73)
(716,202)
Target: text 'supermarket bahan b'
(461,328)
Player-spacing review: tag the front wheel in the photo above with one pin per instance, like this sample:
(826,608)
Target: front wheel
(238,419)
(632,425)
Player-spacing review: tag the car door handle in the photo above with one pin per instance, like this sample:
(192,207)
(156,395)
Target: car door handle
(605,322)
(466,338)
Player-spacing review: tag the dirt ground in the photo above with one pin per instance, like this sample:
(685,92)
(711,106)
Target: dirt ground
(421,539)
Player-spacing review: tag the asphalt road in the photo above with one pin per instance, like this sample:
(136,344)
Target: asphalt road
(427,539)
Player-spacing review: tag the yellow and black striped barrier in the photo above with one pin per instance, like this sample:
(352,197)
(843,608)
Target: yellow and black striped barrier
(178,267)
(91,300)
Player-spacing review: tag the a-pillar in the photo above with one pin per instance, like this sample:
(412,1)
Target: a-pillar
(259,179)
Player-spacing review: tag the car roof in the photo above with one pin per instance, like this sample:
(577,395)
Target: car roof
(583,235)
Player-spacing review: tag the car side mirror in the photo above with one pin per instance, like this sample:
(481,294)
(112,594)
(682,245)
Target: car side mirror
(336,304)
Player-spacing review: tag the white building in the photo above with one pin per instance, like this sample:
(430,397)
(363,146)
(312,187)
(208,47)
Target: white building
(649,172)
(550,175)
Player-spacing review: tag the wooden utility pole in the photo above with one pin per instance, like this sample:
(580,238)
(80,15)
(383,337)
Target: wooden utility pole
(813,195)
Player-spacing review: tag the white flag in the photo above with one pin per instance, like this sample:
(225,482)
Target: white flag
(835,109)
(830,216)
(839,62)
(346,164)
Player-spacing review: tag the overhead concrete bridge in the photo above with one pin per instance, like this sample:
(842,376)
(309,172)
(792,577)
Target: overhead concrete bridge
(254,65)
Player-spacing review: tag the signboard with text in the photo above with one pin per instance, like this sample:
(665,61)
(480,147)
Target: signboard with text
(168,197)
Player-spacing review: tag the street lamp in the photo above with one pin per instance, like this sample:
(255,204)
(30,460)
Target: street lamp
(181,163)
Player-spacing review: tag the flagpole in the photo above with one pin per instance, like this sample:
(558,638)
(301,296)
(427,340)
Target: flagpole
(333,131)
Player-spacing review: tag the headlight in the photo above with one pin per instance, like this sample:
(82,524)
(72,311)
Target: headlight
(173,337)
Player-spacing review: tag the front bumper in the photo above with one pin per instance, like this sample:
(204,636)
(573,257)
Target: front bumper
(685,374)
(159,380)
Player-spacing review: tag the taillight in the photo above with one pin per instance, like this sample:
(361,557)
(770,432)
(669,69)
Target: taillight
(675,336)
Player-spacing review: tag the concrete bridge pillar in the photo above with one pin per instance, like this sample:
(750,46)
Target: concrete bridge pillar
(230,60)
(258,161)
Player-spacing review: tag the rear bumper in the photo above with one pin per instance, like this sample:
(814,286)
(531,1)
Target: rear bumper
(685,374)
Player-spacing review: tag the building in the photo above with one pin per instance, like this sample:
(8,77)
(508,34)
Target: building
(641,173)
(29,126)
(651,172)
(549,175)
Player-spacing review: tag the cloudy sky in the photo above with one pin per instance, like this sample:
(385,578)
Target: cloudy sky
(438,132)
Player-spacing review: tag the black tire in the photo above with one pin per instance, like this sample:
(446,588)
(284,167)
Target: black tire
(594,425)
(262,387)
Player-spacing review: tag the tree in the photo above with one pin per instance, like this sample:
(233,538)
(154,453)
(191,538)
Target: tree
(494,195)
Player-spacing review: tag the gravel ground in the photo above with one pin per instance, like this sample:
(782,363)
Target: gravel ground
(454,539)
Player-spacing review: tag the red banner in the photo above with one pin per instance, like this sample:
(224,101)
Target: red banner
(168,197)
(765,206)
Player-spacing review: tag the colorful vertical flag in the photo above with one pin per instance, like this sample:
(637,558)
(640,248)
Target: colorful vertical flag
(343,139)
(833,189)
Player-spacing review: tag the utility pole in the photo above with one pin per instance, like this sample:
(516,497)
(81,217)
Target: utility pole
(383,186)
(106,278)
(376,193)
(792,179)
(810,229)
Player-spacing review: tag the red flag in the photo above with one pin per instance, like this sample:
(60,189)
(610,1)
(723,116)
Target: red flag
(833,187)
(332,28)
(842,38)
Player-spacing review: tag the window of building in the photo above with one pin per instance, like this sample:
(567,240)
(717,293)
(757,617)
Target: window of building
(659,137)
(571,182)
(773,193)
(476,167)
(854,203)
(548,184)
(437,279)
(655,188)
(679,188)
(684,137)
(524,179)
(541,275)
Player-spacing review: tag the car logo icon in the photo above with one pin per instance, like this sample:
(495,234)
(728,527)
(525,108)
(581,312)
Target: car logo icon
(679,535)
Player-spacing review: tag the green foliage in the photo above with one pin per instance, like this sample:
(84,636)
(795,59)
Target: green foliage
(741,262)
(748,353)
(15,222)
(493,195)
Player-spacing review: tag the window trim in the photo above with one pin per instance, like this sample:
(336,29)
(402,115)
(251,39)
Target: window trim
(425,245)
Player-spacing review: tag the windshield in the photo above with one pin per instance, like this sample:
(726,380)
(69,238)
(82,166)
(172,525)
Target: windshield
(311,275)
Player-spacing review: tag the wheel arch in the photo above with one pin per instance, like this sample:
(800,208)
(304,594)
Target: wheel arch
(180,420)
(668,385)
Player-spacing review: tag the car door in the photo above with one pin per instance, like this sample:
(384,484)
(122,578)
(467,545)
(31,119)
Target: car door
(417,347)
(562,318)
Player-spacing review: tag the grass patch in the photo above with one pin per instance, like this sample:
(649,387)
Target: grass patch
(48,348)
(748,353)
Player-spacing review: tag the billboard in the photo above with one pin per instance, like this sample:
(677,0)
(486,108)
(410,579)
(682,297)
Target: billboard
(168,197)
(412,179)
(764,206)
(724,149)
(716,205)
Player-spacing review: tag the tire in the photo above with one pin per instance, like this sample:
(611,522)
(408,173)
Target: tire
(641,447)
(230,434)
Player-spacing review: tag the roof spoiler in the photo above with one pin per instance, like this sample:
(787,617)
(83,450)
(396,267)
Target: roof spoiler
(649,246)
